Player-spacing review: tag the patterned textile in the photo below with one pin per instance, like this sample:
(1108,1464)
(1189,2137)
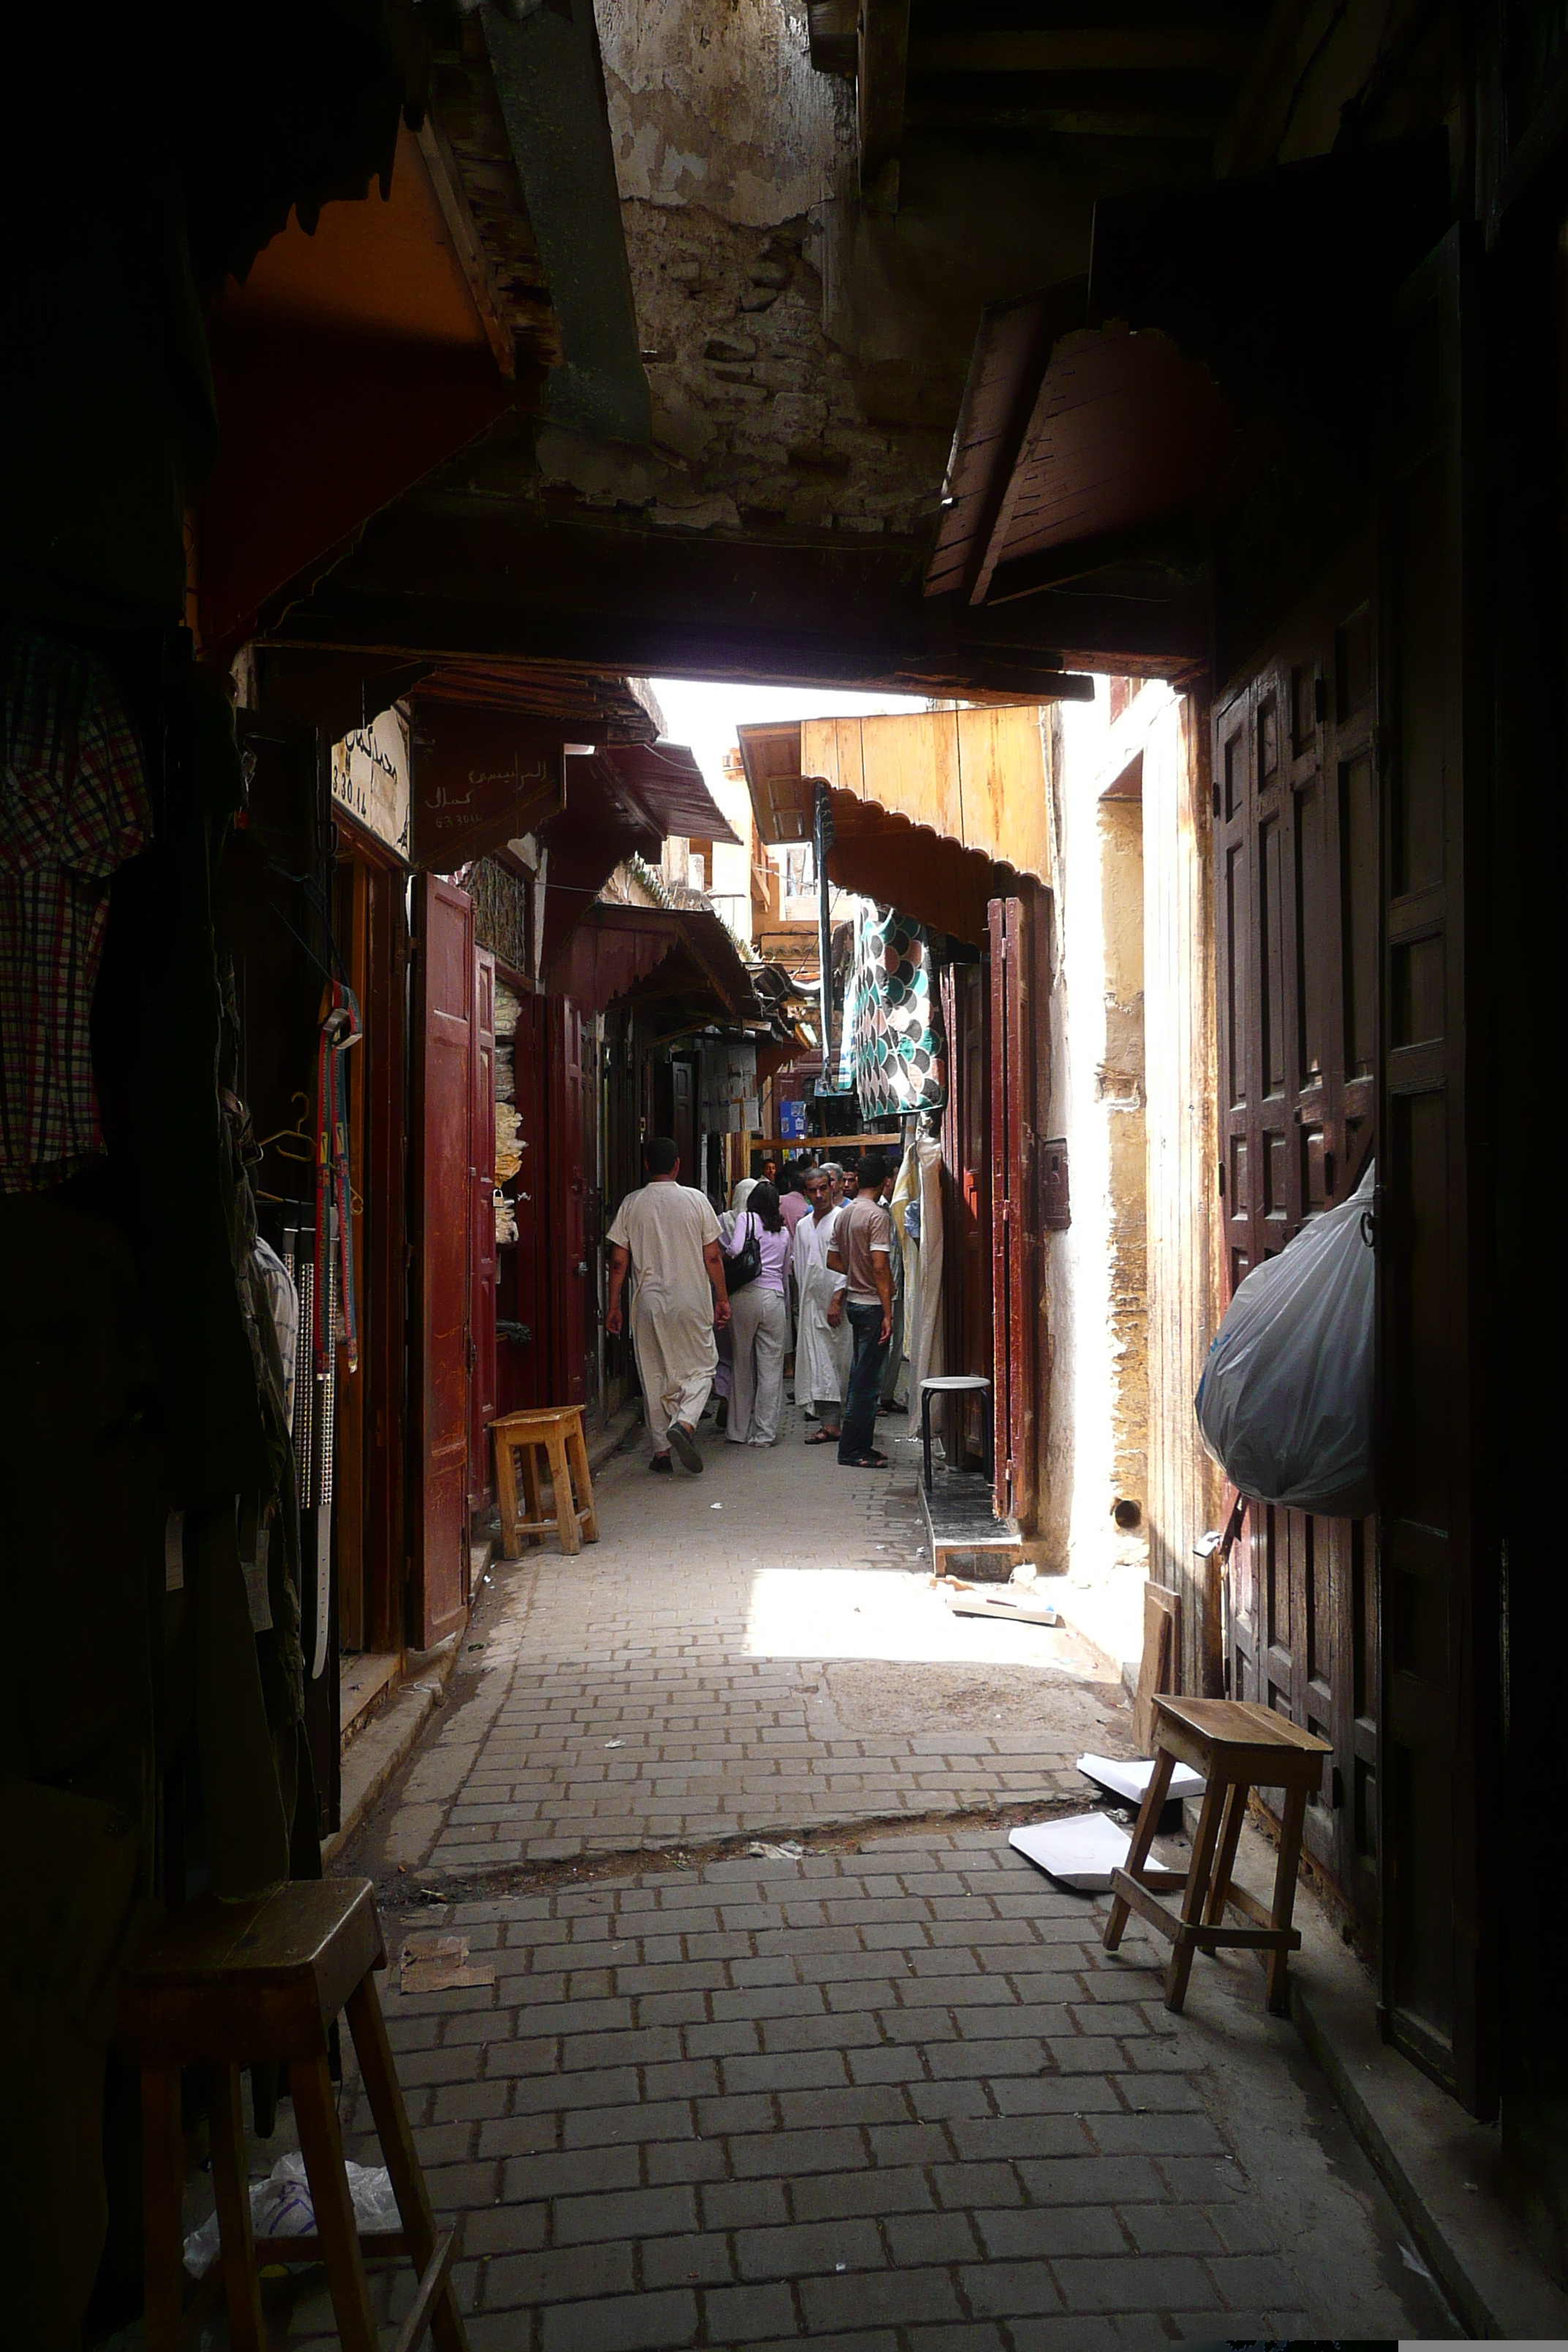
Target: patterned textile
(900,1051)
(73,806)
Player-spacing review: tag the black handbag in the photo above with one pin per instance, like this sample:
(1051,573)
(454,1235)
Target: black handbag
(747,1262)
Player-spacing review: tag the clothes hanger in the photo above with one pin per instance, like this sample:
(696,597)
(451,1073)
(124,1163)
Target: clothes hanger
(295,1134)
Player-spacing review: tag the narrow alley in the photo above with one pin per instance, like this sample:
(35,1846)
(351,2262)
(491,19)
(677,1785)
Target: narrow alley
(845,683)
(784,2040)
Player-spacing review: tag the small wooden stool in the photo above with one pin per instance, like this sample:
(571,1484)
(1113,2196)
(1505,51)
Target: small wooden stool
(556,1430)
(222,1985)
(1236,1745)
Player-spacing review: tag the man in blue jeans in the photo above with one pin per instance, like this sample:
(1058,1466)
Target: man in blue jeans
(862,1253)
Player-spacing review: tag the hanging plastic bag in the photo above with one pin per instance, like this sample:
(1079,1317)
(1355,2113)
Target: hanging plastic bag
(1285,1404)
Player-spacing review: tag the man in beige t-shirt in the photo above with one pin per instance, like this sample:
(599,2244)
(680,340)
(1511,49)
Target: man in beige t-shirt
(861,1252)
(666,1237)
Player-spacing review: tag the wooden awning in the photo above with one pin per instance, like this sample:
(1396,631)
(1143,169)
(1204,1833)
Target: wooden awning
(668,783)
(1109,422)
(615,952)
(934,812)
(882,856)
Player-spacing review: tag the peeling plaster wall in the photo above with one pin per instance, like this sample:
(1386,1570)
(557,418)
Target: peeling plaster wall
(806,358)
(715,103)
(1097,1272)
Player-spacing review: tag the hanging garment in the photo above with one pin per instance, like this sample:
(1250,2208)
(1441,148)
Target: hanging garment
(336,1318)
(900,1051)
(822,1349)
(284,1300)
(74,805)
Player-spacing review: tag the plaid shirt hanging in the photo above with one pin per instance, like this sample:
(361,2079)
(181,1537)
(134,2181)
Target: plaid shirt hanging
(74,805)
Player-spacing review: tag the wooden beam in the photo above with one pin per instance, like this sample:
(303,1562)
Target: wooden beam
(449,577)
(1135,48)
(447,184)
(956,111)
(835,35)
(883,67)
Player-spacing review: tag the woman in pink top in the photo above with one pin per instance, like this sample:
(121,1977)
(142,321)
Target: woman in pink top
(759,1323)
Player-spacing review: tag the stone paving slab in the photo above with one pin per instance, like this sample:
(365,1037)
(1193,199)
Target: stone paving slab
(647,2143)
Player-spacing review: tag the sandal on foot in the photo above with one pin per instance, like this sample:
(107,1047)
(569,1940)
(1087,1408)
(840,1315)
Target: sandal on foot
(824,1437)
(864,1462)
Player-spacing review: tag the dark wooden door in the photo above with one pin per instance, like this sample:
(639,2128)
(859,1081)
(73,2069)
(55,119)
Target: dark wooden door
(482,1311)
(444,1162)
(1012,1237)
(1295,804)
(966,1170)
(1440,1597)
(567,1203)
(683,1121)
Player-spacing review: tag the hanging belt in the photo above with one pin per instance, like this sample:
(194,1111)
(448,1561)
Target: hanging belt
(334,1190)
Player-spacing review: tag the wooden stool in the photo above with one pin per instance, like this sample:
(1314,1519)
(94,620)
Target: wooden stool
(556,1430)
(222,1985)
(1236,1747)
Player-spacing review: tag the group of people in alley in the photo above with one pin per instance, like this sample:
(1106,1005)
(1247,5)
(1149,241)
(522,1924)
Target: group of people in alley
(718,1302)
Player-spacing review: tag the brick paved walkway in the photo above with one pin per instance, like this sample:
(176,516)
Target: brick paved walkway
(704,1671)
(891,2096)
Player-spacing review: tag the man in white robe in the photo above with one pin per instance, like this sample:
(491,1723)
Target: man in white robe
(666,1235)
(825,1344)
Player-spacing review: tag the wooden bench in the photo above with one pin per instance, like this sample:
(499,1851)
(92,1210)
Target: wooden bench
(1238,1747)
(556,1432)
(221,1986)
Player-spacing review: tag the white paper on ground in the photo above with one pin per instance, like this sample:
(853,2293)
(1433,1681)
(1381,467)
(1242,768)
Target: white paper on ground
(1130,1780)
(1019,1604)
(1080,1852)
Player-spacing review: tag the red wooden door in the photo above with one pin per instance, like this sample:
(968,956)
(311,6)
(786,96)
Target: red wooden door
(524,1354)
(567,1195)
(444,1160)
(482,1310)
(1012,1225)
(1295,804)
(1440,1599)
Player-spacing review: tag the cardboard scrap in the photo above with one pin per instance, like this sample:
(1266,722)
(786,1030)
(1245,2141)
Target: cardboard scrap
(440,1964)
(1129,1781)
(1080,1854)
(1017,1602)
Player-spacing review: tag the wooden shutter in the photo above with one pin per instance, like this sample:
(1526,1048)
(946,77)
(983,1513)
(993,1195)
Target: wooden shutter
(444,1160)
(1439,1585)
(1296,917)
(482,1311)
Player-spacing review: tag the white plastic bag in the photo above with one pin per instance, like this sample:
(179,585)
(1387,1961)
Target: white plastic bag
(1285,1404)
(280,2207)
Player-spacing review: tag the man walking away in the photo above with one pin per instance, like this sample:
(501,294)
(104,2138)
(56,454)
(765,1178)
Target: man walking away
(862,1250)
(667,1235)
(758,1325)
(823,1341)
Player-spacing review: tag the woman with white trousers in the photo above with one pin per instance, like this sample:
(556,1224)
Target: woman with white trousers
(759,1322)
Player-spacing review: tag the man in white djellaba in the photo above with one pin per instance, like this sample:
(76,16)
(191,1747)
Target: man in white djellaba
(667,1235)
(825,1345)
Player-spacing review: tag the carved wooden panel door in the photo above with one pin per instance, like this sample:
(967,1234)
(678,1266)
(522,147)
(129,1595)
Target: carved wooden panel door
(442,1185)
(1295,871)
(1441,1602)
(1015,1296)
